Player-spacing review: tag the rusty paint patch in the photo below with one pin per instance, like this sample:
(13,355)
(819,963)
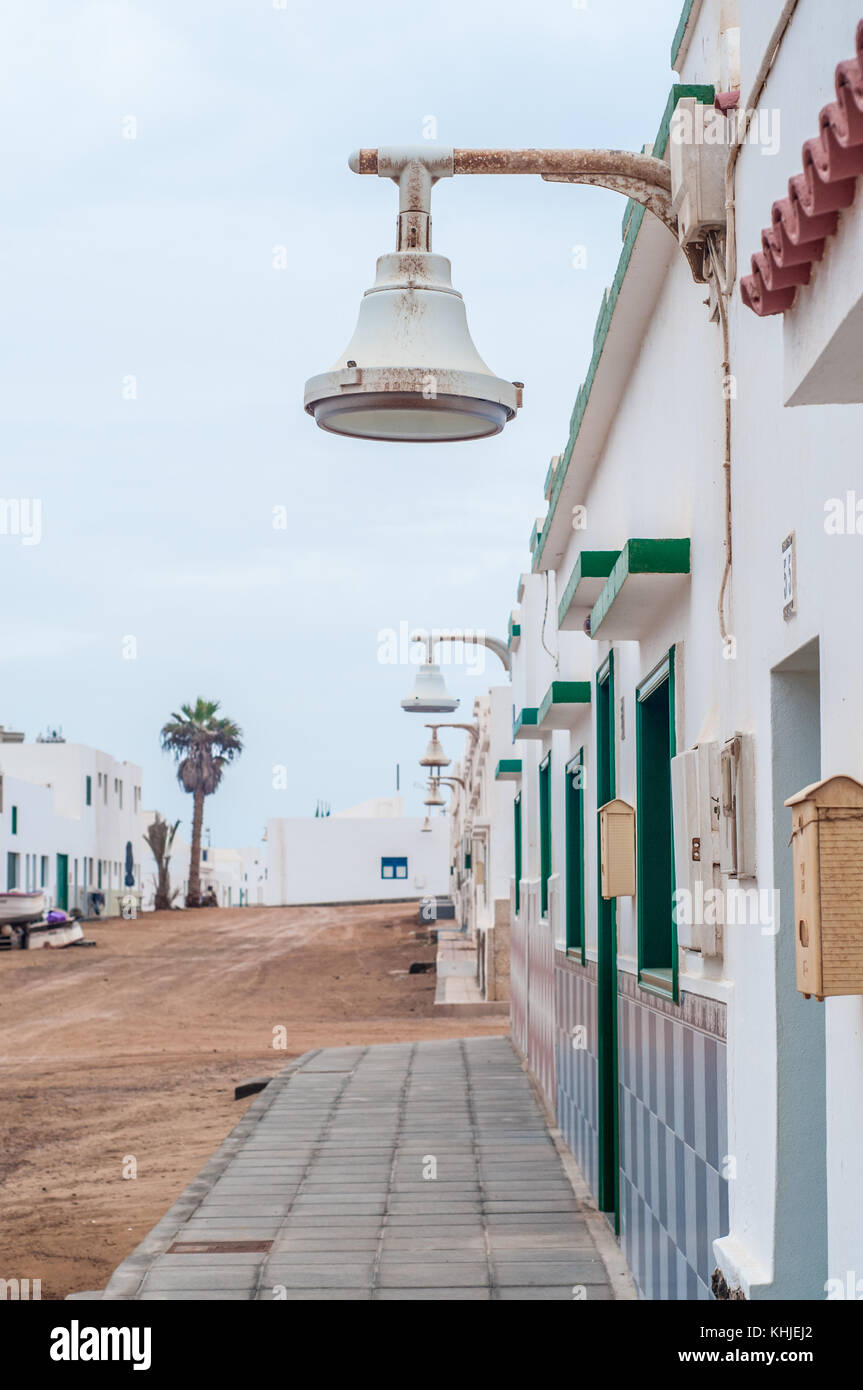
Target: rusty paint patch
(219,1247)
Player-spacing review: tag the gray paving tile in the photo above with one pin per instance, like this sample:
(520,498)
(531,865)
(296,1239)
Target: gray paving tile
(475,1295)
(334,1175)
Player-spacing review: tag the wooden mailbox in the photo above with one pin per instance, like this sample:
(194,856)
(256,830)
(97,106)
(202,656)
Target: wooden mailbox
(617,849)
(827,834)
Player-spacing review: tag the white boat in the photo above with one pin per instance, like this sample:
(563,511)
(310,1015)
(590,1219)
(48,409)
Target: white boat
(54,934)
(17,908)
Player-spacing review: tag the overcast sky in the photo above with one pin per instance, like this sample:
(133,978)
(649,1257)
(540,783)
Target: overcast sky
(153,258)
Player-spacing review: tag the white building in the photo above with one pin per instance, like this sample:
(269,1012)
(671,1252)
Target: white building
(716,1112)
(68,815)
(359,855)
(481,840)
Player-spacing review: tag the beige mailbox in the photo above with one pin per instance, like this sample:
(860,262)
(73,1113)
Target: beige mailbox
(827,834)
(617,849)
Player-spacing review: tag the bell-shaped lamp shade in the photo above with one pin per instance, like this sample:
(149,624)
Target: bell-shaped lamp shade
(411,372)
(425,828)
(434,797)
(429,695)
(434,756)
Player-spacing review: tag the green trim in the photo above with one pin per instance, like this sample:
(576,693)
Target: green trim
(508,770)
(653,779)
(545,868)
(608,1093)
(514,634)
(516,814)
(563,693)
(591,564)
(706,95)
(660,982)
(525,719)
(536,534)
(639,557)
(546,488)
(575,865)
(680,31)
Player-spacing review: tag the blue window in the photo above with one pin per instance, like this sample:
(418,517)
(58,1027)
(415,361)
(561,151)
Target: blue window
(14,820)
(394,868)
(88,791)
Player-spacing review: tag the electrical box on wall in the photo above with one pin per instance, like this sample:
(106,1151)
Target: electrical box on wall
(827,835)
(737,807)
(617,849)
(695,799)
(697,152)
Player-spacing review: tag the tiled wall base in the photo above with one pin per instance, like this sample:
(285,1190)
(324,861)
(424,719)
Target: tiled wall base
(575,1047)
(673,1140)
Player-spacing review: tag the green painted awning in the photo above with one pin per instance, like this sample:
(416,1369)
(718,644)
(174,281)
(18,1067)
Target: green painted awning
(524,725)
(563,703)
(647,576)
(508,770)
(583,588)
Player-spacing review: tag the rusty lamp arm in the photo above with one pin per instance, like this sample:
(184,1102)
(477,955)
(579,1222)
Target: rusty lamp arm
(642,177)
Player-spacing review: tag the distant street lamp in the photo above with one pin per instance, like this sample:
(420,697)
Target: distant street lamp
(434,797)
(411,372)
(472,729)
(434,756)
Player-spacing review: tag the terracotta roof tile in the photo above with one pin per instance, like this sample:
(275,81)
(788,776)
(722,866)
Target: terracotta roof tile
(802,221)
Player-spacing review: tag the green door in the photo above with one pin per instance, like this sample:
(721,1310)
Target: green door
(63,881)
(607,1098)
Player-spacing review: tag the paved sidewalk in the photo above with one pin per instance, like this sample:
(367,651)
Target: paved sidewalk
(407,1171)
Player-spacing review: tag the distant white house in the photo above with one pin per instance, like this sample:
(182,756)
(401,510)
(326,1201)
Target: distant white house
(69,820)
(237,875)
(369,853)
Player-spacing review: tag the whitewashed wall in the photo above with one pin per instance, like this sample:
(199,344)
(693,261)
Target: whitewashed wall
(338,859)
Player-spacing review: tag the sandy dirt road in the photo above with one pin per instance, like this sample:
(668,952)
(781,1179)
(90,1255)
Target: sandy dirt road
(131,1049)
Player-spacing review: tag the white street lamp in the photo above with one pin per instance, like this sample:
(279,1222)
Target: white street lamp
(411,372)
(429,695)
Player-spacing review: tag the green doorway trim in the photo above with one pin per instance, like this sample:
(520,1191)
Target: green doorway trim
(516,826)
(544,832)
(63,881)
(608,1185)
(656,745)
(575,923)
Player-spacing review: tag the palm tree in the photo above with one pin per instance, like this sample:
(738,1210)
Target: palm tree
(202,746)
(160,837)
